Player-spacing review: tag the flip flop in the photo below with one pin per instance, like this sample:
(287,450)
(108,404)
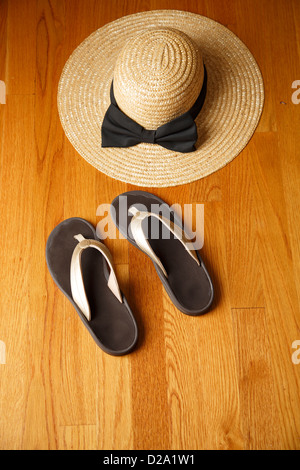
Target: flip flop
(178,264)
(82,268)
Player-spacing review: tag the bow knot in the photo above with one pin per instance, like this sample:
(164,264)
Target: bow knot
(148,136)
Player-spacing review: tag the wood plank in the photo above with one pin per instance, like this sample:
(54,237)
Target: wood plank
(15,172)
(3,62)
(259,415)
(266,57)
(21,32)
(215,343)
(187,427)
(290,171)
(241,224)
(114,400)
(277,272)
(283,25)
(150,413)
(45,325)
(77,437)
(3,38)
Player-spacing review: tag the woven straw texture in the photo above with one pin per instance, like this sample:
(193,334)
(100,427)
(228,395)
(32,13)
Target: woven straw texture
(157,76)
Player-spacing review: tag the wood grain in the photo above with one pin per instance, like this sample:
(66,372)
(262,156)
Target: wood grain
(259,416)
(21,58)
(225,380)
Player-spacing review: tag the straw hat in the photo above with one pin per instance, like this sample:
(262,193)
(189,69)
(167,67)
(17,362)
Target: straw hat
(156,61)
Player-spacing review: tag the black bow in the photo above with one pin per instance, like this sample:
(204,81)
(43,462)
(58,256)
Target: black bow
(180,134)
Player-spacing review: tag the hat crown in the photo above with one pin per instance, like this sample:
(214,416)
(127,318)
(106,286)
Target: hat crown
(158,76)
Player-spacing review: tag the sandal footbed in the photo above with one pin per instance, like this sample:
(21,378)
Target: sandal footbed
(112,323)
(188,285)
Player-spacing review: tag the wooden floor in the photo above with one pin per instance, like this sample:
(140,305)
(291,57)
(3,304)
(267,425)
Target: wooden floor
(222,381)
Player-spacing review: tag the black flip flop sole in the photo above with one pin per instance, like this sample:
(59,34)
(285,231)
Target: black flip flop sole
(112,325)
(188,285)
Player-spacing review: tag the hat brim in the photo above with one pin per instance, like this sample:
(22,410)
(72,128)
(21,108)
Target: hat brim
(228,119)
